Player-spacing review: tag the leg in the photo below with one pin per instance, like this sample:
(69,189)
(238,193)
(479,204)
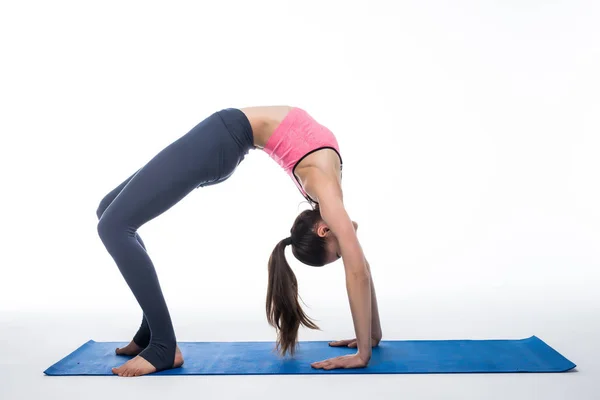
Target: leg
(142,338)
(139,342)
(151,192)
(197,157)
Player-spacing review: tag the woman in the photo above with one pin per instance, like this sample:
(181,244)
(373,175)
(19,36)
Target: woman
(208,154)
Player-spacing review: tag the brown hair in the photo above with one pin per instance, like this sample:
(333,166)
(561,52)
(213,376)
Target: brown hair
(284,312)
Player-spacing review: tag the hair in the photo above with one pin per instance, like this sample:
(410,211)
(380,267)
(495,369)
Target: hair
(284,312)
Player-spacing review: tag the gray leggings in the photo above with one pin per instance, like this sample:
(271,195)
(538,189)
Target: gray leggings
(208,154)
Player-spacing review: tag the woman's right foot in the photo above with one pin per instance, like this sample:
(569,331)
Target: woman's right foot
(131,349)
(139,366)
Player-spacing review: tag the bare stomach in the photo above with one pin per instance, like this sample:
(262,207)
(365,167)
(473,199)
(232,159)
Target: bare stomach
(264,120)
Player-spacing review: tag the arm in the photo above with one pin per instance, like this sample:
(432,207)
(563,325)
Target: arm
(376,333)
(358,279)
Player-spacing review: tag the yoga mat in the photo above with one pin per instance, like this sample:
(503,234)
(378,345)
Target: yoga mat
(390,357)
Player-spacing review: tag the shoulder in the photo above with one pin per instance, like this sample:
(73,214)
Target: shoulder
(327,191)
(321,186)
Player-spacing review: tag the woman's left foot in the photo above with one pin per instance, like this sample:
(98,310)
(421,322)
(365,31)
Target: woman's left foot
(131,349)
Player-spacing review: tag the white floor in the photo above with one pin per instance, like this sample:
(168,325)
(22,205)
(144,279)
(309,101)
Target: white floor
(32,341)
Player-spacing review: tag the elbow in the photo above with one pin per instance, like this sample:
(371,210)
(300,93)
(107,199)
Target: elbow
(360,276)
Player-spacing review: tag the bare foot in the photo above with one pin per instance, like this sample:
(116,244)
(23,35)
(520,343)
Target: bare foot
(131,349)
(138,366)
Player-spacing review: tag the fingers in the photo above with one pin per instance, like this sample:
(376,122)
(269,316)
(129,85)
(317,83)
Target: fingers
(321,364)
(342,342)
(352,361)
(326,365)
(339,343)
(332,363)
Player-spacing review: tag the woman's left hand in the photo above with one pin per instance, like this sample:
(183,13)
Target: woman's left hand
(349,361)
(352,343)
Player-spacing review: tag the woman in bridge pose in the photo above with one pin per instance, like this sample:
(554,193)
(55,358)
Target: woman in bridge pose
(207,155)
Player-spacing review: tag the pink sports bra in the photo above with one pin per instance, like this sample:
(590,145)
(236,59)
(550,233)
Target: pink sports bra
(297,136)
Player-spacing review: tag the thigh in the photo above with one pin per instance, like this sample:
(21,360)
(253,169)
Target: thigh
(170,175)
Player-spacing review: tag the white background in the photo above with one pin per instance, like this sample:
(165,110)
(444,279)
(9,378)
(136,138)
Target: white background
(470,137)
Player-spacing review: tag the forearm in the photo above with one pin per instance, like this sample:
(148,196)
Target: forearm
(375,322)
(376,332)
(359,295)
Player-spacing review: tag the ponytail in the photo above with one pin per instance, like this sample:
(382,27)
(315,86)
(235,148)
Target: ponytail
(283,309)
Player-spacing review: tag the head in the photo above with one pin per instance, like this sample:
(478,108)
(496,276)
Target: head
(314,244)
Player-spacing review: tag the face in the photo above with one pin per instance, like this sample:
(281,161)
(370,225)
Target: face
(333,247)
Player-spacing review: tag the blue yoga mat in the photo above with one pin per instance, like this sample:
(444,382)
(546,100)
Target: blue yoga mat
(390,357)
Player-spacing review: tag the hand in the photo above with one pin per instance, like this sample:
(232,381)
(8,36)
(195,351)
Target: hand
(352,343)
(349,361)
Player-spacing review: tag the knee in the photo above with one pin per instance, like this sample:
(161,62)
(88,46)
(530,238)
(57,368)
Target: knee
(102,227)
(104,203)
(109,230)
